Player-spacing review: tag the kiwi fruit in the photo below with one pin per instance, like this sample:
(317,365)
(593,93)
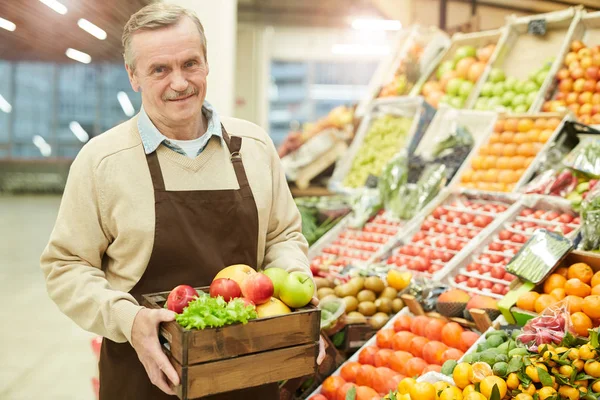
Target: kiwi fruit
(351,303)
(378,320)
(389,292)
(367,308)
(323,282)
(365,295)
(375,284)
(397,305)
(357,282)
(383,305)
(324,291)
(355,318)
(343,290)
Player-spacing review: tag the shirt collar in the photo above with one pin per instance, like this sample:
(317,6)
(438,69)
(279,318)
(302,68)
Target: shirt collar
(152,138)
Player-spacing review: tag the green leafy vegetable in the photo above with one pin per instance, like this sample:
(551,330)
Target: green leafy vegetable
(351,394)
(211,312)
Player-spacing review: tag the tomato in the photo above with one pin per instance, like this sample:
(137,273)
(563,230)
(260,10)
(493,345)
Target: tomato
(518,227)
(508,277)
(442,242)
(435,268)
(437,255)
(426,253)
(467,218)
(526,212)
(576,221)
(483,284)
(505,235)
(461,245)
(405,250)
(450,230)
(495,246)
(419,236)
(179,298)
(447,257)
(472,282)
(551,216)
(489,208)
(496,258)
(439,228)
(505,290)
(452,244)
(482,221)
(438,212)
(472,234)
(518,238)
(473,267)
(497,272)
(539,213)
(566,230)
(484,269)
(462,232)
(460,278)
(501,208)
(497,288)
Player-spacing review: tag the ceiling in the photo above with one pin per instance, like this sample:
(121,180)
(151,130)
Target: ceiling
(44,35)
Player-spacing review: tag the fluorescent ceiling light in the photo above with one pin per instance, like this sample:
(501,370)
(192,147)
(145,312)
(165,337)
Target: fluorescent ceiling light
(125,104)
(91,29)
(42,145)
(6,24)
(360,49)
(79,132)
(377,24)
(5,105)
(78,56)
(56,6)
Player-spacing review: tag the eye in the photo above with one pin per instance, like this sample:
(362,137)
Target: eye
(190,64)
(159,70)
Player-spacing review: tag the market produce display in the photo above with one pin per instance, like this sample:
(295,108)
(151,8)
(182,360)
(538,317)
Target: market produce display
(320,214)
(502,93)
(444,233)
(458,303)
(385,137)
(578,84)
(412,346)
(508,153)
(369,300)
(455,78)
(406,75)
(238,294)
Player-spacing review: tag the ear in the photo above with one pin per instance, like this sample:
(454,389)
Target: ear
(132,79)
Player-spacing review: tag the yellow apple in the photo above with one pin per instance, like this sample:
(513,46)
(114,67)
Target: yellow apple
(272,308)
(238,273)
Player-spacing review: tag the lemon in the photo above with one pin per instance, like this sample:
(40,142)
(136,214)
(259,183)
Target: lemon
(439,386)
(468,389)
(475,396)
(424,391)
(451,393)
(596,387)
(512,381)
(586,352)
(488,383)
(405,385)
(592,368)
(462,375)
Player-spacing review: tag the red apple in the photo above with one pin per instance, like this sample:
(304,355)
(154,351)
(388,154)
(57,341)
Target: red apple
(577,73)
(589,85)
(592,73)
(585,109)
(566,85)
(576,45)
(585,119)
(585,98)
(570,58)
(563,73)
(595,119)
(561,96)
(596,98)
(574,65)
(179,298)
(247,302)
(571,98)
(595,109)
(586,62)
(228,288)
(258,288)
(596,60)
(578,85)
(584,52)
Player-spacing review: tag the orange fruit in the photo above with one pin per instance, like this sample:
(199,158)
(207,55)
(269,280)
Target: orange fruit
(415,366)
(433,331)
(520,138)
(416,345)
(398,361)
(574,303)
(489,162)
(382,380)
(423,390)
(533,135)
(365,375)
(576,287)
(478,176)
(581,271)
(467,176)
(491,175)
(591,306)
(494,138)
(451,334)
(558,293)
(331,385)
(366,393)
(552,123)
(527,301)
(510,149)
(596,279)
(507,137)
(499,126)
(543,302)
(477,162)
(524,125)
(528,161)
(401,341)
(517,162)
(402,323)
(384,338)
(596,290)
(349,371)
(433,351)
(367,355)
(511,124)
(342,391)
(503,163)
(564,271)
(540,123)
(382,358)
(467,338)
(525,149)
(484,150)
(554,281)
(545,135)
(419,325)
(432,368)
(451,354)
(580,323)
(508,176)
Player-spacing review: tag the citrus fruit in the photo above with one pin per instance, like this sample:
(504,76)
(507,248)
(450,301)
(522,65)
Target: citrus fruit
(565,370)
(511,124)
(474,396)
(563,271)
(527,301)
(481,370)
(546,392)
(422,390)
(331,385)
(419,325)
(523,396)
(341,393)
(596,290)
(558,293)
(432,367)
(451,393)
(575,287)
(543,302)
(581,271)
(499,126)
(366,393)
(398,280)
(554,281)
(365,375)
(592,368)
(415,366)
(467,339)
(596,387)
(586,352)
(451,334)
(530,390)
(574,303)
(401,340)
(405,385)
(402,323)
(580,325)
(367,355)
(578,365)
(532,372)
(568,392)
(349,371)
(433,331)
(398,360)
(440,385)
(462,375)
(383,380)
(591,306)
(452,354)
(381,359)
(416,345)
(512,382)
(433,351)
(488,383)
(595,279)
(384,338)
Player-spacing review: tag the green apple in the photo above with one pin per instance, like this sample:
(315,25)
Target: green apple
(498,89)
(540,77)
(464,52)
(465,88)
(481,103)
(518,100)
(510,83)
(457,102)
(445,67)
(278,276)
(445,99)
(531,98)
(453,86)
(496,75)
(508,97)
(530,86)
(487,89)
(494,102)
(521,109)
(297,290)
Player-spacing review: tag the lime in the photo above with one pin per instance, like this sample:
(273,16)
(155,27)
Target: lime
(501,358)
(495,341)
(448,367)
(501,369)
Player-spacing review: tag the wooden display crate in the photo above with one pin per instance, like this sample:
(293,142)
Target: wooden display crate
(233,357)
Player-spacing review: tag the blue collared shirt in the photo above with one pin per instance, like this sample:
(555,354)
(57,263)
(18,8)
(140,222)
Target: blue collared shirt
(152,138)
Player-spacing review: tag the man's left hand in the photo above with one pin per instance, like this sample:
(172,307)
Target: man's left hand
(322,354)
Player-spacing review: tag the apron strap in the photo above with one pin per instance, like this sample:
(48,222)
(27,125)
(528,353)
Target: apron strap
(234,143)
(155,171)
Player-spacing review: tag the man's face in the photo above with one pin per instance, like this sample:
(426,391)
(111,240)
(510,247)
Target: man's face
(170,70)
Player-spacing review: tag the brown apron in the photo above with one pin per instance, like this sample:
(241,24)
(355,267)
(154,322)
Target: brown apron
(197,233)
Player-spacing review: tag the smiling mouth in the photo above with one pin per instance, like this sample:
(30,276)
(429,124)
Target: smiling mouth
(180,99)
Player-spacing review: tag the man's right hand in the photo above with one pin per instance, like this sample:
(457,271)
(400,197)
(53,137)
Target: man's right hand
(144,339)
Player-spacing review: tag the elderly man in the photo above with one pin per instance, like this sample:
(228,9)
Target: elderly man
(169,197)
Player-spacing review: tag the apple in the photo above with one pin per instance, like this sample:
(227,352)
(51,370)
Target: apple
(577,73)
(465,88)
(247,302)
(596,60)
(518,100)
(487,89)
(585,109)
(225,287)
(589,85)
(464,52)
(595,119)
(533,95)
(521,109)
(584,52)
(578,85)
(507,98)
(510,83)
(496,75)
(566,85)
(586,62)
(179,298)
(572,98)
(453,86)
(271,308)
(297,290)
(498,89)
(258,288)
(574,108)
(445,67)
(596,98)
(563,74)
(595,109)
(530,87)
(238,273)
(278,276)
(592,73)
(585,97)
(576,45)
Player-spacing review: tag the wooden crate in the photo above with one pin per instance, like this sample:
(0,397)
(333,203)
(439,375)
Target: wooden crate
(265,350)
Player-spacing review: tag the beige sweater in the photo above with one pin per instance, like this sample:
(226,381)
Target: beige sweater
(104,232)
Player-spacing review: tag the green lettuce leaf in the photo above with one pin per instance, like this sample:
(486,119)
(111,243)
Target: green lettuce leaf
(211,312)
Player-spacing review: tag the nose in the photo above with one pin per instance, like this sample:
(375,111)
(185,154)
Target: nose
(178,81)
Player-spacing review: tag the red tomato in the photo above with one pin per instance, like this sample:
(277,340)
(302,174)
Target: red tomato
(438,212)
(526,212)
(462,232)
(472,267)
(442,242)
(565,218)
(419,236)
(484,269)
(482,221)
(505,235)
(497,272)
(518,238)
(566,230)
(551,216)
(452,244)
(461,245)
(467,218)
(576,221)
(501,208)
(483,284)
(426,252)
(505,290)
(460,278)
(495,246)
(496,258)
(179,298)
(472,282)
(508,277)
(497,288)
(518,227)
(538,214)
(450,230)
(447,257)
(437,255)
(439,228)
(472,234)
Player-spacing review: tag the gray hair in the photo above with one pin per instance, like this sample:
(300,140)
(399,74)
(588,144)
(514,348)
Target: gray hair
(155,16)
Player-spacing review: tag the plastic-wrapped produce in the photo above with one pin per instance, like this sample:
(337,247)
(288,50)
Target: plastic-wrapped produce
(590,215)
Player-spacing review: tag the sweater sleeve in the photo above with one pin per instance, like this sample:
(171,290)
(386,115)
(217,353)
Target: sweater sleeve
(286,247)
(72,260)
